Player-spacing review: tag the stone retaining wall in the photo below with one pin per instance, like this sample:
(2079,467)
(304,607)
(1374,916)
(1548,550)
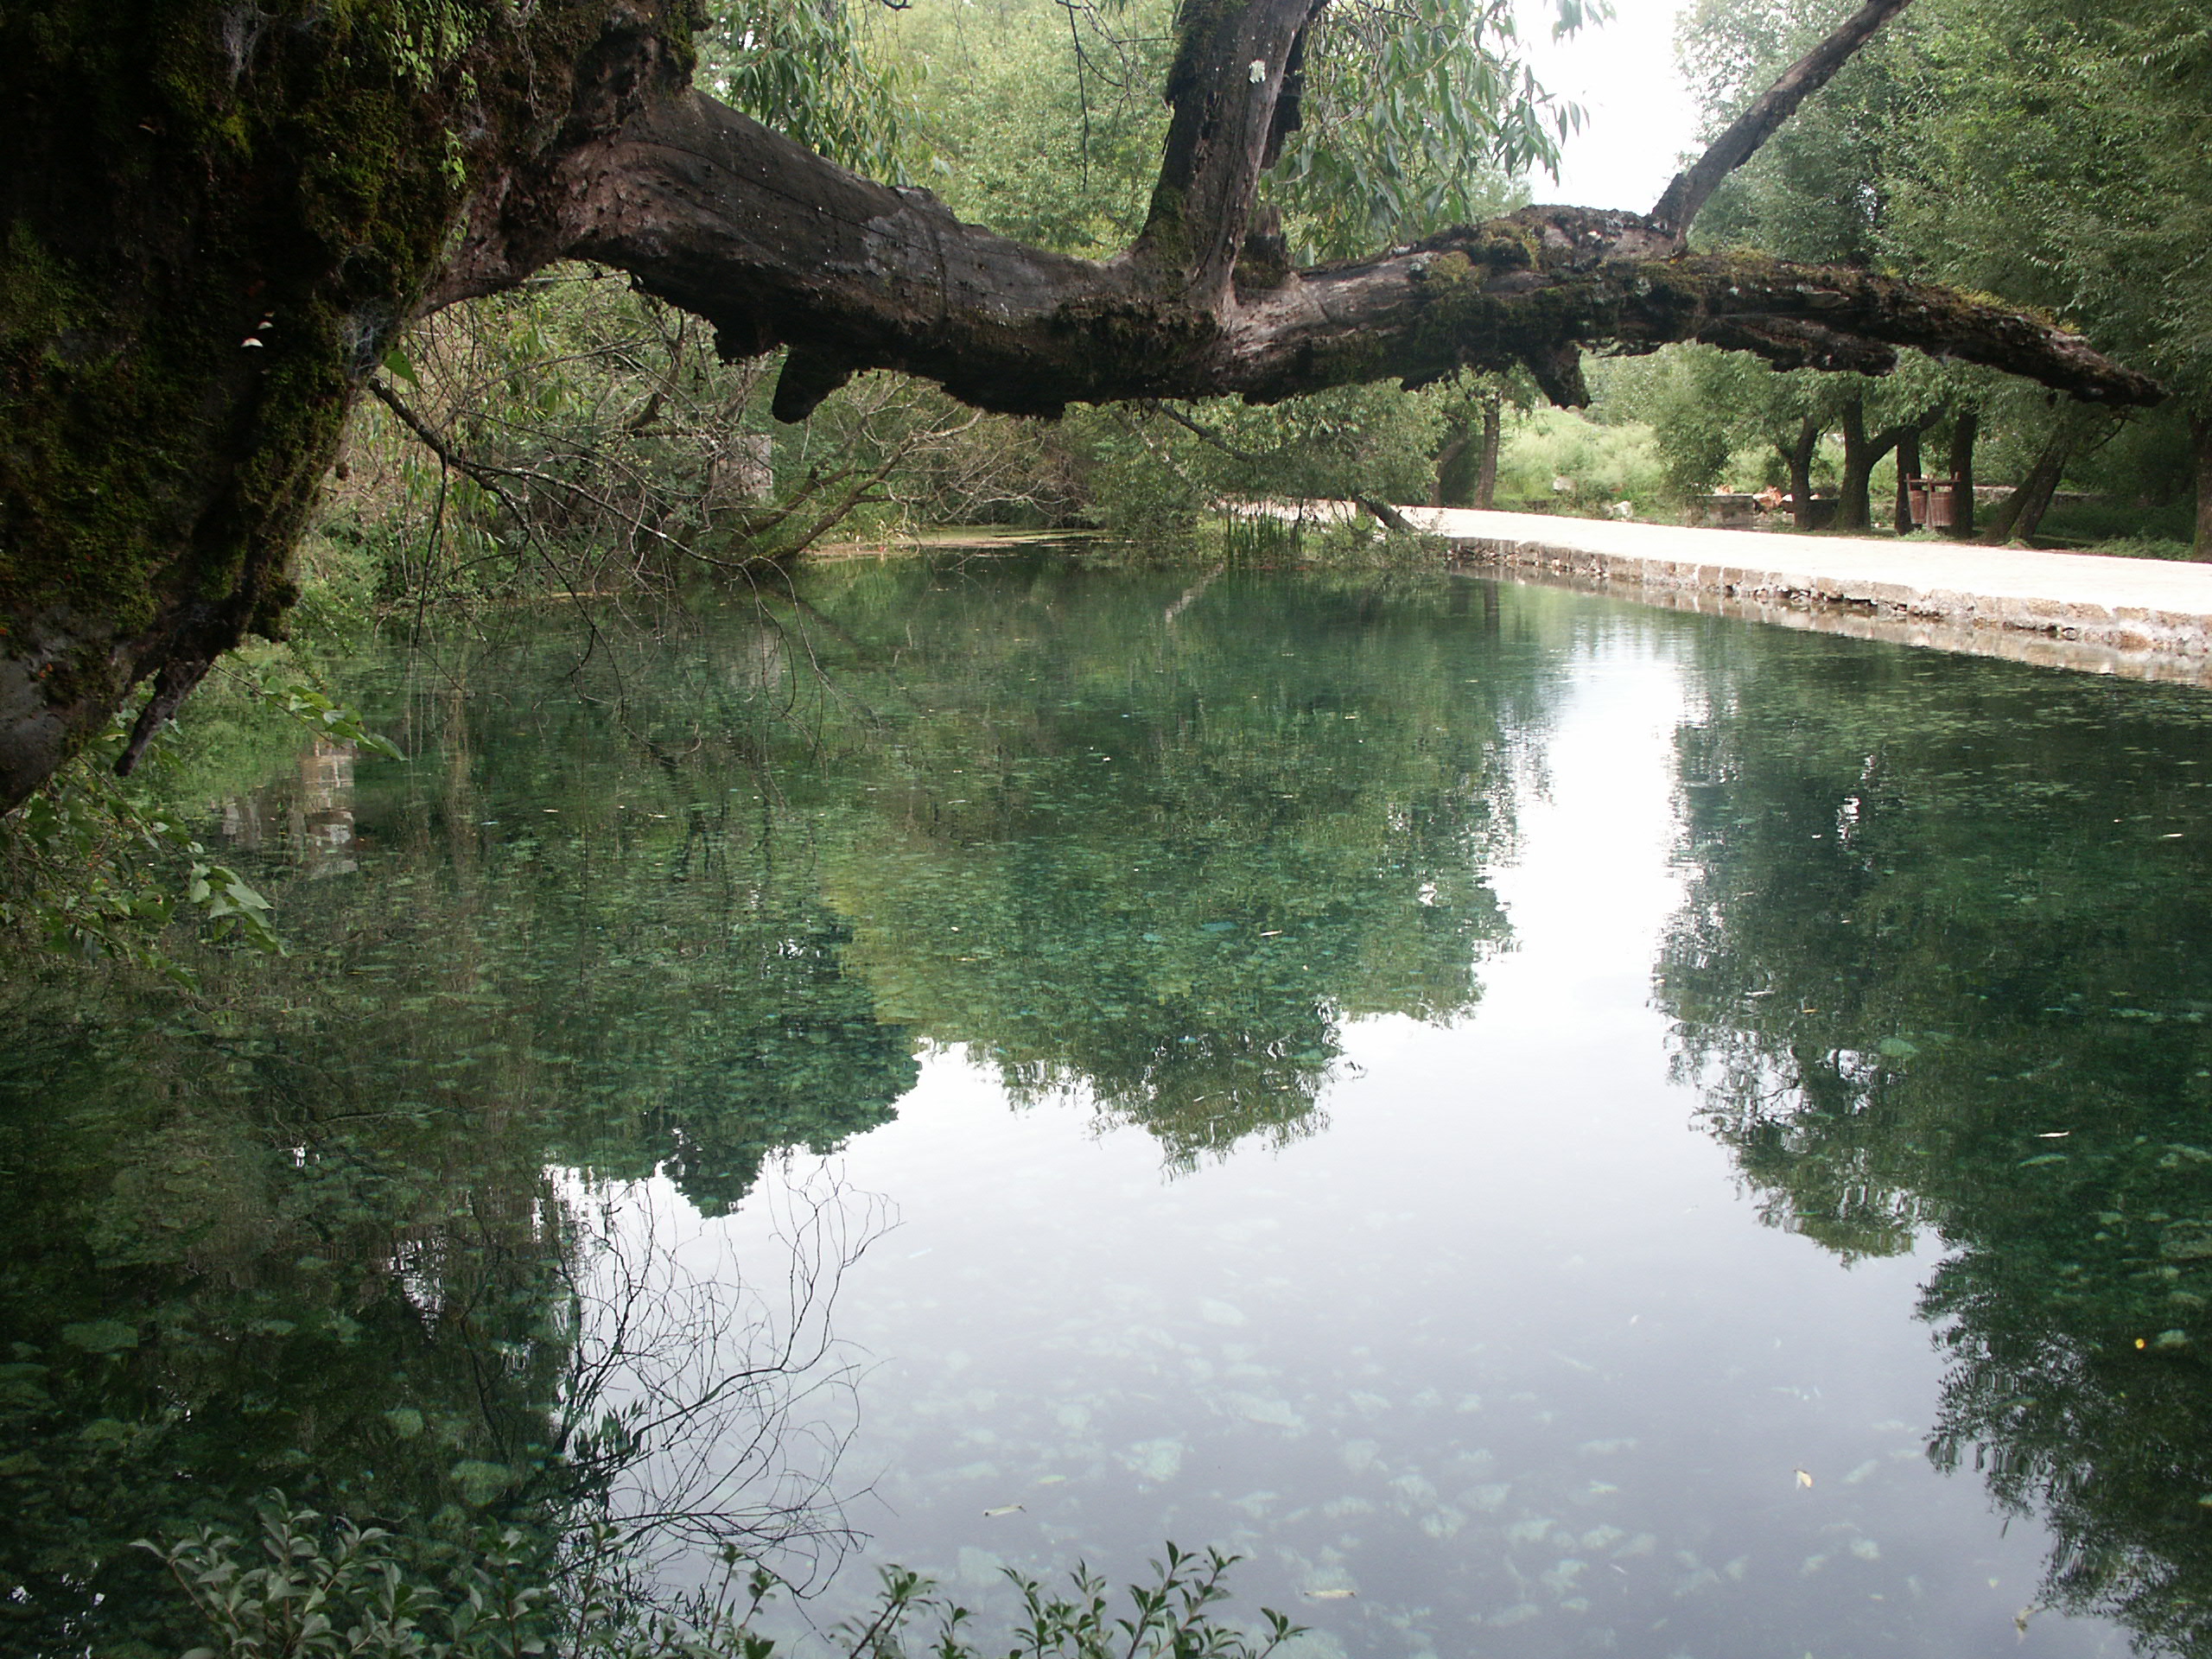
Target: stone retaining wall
(2138,641)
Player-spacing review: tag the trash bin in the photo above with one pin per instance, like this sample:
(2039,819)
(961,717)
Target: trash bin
(1935,502)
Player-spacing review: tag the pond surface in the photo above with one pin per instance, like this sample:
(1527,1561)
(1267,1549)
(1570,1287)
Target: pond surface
(1549,1126)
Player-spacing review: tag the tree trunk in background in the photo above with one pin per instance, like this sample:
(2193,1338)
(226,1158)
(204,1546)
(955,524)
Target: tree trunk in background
(1863,453)
(1854,509)
(2018,513)
(1466,468)
(1494,426)
(1454,486)
(2038,501)
(2200,430)
(1964,431)
(1907,469)
(1798,457)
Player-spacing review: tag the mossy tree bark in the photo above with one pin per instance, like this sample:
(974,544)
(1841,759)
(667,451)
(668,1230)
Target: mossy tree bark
(214,216)
(218,212)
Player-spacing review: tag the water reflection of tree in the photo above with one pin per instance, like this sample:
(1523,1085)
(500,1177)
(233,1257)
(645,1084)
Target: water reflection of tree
(581,910)
(302,1235)
(1138,840)
(212,1293)
(1151,842)
(1945,963)
(676,916)
(213,1288)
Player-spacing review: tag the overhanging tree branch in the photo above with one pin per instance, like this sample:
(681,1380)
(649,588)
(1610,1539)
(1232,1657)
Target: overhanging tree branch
(714,212)
(856,274)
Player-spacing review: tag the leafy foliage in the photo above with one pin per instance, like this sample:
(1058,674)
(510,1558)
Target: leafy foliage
(1416,117)
(311,1588)
(2065,163)
(1041,120)
(591,443)
(2050,153)
(96,868)
(808,71)
(1158,469)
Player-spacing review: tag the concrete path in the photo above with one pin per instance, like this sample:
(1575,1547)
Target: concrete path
(2149,619)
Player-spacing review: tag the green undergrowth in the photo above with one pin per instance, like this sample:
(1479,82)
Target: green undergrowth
(307,1588)
(2106,524)
(2142,547)
(102,868)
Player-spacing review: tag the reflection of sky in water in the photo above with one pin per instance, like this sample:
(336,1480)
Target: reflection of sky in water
(1502,1351)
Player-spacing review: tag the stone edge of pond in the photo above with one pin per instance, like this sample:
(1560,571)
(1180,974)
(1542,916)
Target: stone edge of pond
(2137,619)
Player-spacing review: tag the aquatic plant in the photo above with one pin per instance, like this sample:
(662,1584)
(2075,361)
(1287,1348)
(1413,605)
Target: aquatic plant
(306,1586)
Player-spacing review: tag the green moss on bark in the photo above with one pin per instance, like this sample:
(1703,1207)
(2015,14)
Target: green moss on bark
(216,215)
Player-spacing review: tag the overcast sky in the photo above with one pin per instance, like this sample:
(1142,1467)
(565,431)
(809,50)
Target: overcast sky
(1640,116)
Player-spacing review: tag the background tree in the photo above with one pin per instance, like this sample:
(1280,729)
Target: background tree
(2050,153)
(2067,163)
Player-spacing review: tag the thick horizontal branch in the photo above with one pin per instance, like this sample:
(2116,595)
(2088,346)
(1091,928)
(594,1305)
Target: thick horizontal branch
(1539,286)
(714,212)
(775,245)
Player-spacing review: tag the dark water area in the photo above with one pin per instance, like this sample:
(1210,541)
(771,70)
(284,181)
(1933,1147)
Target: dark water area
(1549,1126)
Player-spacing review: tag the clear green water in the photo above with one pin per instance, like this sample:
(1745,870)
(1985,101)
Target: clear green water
(1586,1129)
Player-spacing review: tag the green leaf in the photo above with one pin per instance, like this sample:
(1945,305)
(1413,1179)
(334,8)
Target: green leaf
(101,1336)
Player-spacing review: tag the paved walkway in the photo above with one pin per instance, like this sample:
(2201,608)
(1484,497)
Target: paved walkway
(2148,618)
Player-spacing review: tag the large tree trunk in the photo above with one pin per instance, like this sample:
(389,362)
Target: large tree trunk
(1797,456)
(1964,431)
(215,217)
(1909,465)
